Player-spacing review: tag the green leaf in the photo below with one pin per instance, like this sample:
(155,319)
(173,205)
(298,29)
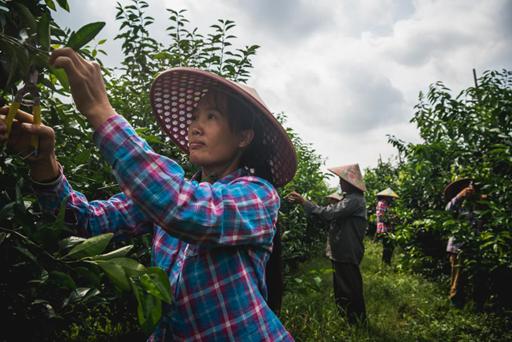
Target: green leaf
(132,267)
(121,252)
(43,31)
(62,280)
(3,8)
(88,277)
(50,4)
(116,273)
(61,76)
(7,209)
(2,237)
(318,281)
(69,242)
(63,4)
(81,294)
(27,17)
(157,284)
(84,35)
(90,247)
(48,310)
(149,308)
(25,252)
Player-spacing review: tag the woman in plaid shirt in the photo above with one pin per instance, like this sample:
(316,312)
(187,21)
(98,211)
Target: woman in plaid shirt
(212,234)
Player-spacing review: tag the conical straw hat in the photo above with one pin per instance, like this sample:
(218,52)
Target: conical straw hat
(388,192)
(175,94)
(350,173)
(452,189)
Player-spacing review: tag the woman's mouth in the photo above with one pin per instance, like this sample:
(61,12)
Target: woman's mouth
(195,145)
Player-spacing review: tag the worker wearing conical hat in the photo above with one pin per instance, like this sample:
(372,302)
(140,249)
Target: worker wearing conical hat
(348,224)
(385,199)
(213,233)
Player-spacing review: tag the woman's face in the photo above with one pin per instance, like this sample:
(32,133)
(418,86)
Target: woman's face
(211,141)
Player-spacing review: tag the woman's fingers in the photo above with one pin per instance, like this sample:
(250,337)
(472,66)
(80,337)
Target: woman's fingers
(87,85)
(43,131)
(20,115)
(67,59)
(45,134)
(19,139)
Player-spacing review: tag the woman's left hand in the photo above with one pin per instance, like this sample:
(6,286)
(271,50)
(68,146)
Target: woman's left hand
(87,86)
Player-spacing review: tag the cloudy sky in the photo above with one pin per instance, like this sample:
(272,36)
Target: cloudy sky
(346,72)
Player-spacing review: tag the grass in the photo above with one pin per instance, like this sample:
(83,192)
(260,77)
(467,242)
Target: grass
(401,307)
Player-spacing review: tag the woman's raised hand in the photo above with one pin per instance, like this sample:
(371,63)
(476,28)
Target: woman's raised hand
(87,85)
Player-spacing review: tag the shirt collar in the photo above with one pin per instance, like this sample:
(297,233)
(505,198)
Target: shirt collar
(240,172)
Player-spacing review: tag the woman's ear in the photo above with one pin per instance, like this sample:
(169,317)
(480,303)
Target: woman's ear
(246,137)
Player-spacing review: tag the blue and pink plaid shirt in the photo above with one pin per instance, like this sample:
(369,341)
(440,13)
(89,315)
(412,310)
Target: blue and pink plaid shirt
(213,240)
(383,226)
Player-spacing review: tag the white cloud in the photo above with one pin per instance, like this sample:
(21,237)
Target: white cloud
(346,72)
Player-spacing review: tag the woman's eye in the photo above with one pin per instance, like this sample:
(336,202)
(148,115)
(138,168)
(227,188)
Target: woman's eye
(211,116)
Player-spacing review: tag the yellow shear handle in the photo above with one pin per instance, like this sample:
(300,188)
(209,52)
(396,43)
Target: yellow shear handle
(34,139)
(13,109)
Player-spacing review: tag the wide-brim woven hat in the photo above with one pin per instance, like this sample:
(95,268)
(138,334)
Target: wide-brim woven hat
(388,192)
(350,173)
(334,196)
(175,94)
(453,188)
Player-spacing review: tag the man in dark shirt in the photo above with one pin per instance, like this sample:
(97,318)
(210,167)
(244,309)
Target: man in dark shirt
(345,248)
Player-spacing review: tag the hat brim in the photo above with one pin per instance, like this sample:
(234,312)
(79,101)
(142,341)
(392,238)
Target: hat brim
(334,197)
(388,192)
(388,196)
(361,186)
(452,189)
(175,94)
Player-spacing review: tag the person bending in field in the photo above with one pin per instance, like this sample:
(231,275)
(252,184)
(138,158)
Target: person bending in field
(345,248)
(213,233)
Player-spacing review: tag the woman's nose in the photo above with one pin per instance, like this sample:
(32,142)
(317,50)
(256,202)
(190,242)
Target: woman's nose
(194,129)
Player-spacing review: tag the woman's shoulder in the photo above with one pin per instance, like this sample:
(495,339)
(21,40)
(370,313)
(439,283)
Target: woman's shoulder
(260,186)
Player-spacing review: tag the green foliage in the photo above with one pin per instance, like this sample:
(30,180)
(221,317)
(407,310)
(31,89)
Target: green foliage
(468,135)
(28,32)
(400,306)
(46,286)
(302,234)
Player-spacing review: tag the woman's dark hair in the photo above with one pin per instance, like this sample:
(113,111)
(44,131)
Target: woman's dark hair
(241,117)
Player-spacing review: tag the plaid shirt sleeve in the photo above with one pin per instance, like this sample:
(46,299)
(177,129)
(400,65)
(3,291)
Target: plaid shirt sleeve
(118,214)
(239,212)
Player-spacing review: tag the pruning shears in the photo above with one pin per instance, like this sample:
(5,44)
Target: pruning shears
(29,88)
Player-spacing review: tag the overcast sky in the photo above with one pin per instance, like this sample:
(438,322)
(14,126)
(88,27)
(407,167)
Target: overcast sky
(346,72)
